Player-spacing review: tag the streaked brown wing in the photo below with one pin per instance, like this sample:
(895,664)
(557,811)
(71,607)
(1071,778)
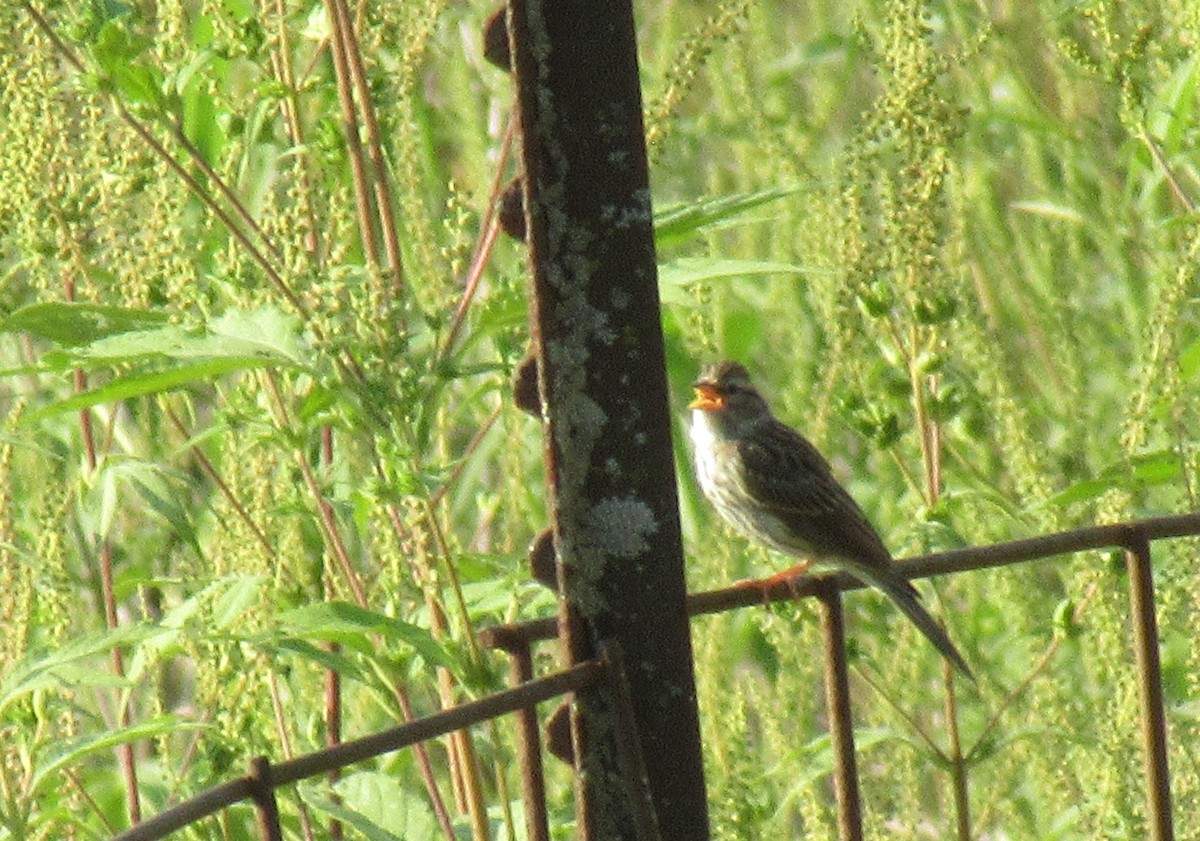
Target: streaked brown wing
(786,475)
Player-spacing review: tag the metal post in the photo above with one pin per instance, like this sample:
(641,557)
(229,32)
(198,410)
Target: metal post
(529,749)
(629,745)
(602,386)
(266,807)
(841,723)
(1154,723)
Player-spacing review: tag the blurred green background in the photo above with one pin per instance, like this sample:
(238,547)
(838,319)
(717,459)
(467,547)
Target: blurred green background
(955,242)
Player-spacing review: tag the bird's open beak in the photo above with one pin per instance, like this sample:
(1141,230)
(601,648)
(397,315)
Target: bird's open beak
(707,398)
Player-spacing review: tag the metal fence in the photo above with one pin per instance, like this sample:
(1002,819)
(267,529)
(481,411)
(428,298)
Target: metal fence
(1133,538)
(527,692)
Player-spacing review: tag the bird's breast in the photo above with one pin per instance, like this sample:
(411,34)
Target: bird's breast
(704,449)
(719,471)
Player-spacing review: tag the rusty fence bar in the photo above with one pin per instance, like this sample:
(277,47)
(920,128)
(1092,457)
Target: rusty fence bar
(266,806)
(1116,536)
(529,742)
(629,745)
(529,746)
(293,770)
(1133,537)
(841,721)
(1154,722)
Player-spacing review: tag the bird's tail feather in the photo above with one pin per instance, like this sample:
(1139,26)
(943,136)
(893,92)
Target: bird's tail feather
(906,597)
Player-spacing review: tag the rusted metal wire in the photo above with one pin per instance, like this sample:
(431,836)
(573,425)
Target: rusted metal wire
(841,721)
(220,797)
(529,752)
(265,805)
(201,806)
(1133,537)
(1154,722)
(572,679)
(1118,536)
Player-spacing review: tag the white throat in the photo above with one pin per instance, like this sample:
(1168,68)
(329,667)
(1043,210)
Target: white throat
(704,447)
(702,433)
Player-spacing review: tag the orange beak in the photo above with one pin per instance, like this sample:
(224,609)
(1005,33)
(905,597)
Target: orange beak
(707,398)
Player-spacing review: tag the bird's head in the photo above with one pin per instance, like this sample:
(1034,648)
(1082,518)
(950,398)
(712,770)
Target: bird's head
(728,398)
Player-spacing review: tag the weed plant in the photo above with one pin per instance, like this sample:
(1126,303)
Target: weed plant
(262,478)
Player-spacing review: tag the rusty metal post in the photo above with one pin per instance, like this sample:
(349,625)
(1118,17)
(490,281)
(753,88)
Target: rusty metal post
(602,385)
(265,805)
(841,722)
(529,748)
(1154,722)
(629,744)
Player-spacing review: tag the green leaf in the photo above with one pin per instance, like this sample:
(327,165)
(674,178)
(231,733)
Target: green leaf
(200,124)
(677,275)
(139,84)
(1050,210)
(381,799)
(98,336)
(1158,467)
(158,487)
(152,382)
(376,805)
(228,596)
(72,665)
(1172,114)
(236,595)
(352,625)
(71,325)
(323,657)
(1083,490)
(167,506)
(240,10)
(676,223)
(75,750)
(100,12)
(1003,739)
(126,348)
(269,331)
(117,45)
(1189,361)
(116,50)
(816,757)
(258,338)
(109,495)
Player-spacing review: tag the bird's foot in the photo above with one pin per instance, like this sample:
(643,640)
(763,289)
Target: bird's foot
(789,578)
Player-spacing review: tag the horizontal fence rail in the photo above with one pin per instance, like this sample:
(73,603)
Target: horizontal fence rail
(264,778)
(1133,538)
(1115,536)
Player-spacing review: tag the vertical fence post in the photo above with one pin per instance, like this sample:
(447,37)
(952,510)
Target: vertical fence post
(265,805)
(596,326)
(629,745)
(529,745)
(841,722)
(1154,723)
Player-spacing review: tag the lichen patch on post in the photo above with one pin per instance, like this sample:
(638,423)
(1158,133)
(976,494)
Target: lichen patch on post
(620,527)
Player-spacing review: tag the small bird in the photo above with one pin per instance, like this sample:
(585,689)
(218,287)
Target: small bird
(768,482)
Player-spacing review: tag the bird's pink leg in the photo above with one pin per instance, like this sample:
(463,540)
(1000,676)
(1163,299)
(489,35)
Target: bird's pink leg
(787,577)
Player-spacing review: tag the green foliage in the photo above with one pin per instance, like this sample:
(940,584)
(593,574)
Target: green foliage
(247,447)
(376,805)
